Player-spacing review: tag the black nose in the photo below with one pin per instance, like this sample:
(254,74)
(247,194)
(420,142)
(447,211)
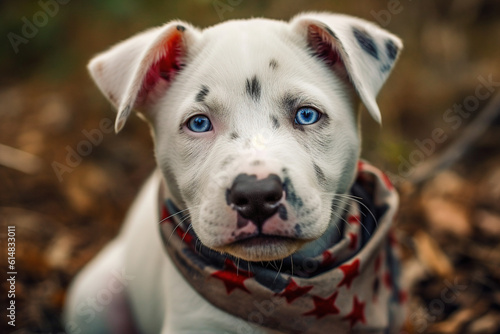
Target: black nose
(255,199)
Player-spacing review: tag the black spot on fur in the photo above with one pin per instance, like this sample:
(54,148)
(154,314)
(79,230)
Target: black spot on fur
(253,88)
(228,193)
(126,112)
(391,49)
(289,104)
(200,97)
(291,195)
(328,30)
(276,124)
(282,212)
(289,101)
(298,230)
(297,126)
(234,135)
(256,163)
(366,42)
(273,63)
(324,122)
(319,174)
(181,28)
(384,68)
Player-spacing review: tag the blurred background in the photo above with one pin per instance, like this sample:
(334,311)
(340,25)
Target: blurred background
(440,144)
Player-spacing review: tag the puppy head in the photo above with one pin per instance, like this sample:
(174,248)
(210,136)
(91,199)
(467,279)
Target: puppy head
(255,122)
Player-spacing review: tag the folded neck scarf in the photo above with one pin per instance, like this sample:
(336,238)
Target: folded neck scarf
(346,285)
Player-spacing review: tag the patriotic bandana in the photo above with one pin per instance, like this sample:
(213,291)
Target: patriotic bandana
(349,285)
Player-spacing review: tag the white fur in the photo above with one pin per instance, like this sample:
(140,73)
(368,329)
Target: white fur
(198,168)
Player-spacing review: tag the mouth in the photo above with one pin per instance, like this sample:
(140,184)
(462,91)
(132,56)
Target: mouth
(263,241)
(263,247)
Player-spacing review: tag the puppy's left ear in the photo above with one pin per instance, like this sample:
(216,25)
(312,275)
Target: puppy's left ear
(353,48)
(135,73)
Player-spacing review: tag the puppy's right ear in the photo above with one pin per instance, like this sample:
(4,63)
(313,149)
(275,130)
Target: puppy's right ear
(136,72)
(352,47)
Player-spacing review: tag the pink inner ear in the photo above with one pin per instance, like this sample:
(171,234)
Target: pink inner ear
(162,71)
(322,44)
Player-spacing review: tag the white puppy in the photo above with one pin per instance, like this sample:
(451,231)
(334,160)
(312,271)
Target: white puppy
(269,224)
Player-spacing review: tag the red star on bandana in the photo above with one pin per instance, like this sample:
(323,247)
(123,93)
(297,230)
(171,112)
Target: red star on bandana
(233,277)
(357,313)
(293,291)
(328,259)
(324,306)
(353,242)
(350,272)
(353,219)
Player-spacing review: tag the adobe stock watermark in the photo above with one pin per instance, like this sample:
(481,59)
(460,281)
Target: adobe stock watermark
(423,317)
(30,28)
(88,309)
(453,117)
(384,16)
(265,308)
(74,156)
(223,6)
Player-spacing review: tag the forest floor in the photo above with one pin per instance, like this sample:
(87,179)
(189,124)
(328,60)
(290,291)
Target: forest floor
(448,225)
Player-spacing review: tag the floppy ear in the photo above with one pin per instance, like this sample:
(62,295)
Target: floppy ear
(354,48)
(135,72)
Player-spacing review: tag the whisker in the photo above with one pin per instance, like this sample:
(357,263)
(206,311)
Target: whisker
(279,270)
(273,265)
(186,232)
(341,218)
(351,204)
(349,196)
(175,228)
(201,245)
(360,223)
(363,204)
(175,214)
(196,245)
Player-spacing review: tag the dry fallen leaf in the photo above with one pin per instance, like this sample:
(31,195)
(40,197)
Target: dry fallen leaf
(448,217)
(430,254)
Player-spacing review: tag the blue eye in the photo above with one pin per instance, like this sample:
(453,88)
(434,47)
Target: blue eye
(199,123)
(307,116)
